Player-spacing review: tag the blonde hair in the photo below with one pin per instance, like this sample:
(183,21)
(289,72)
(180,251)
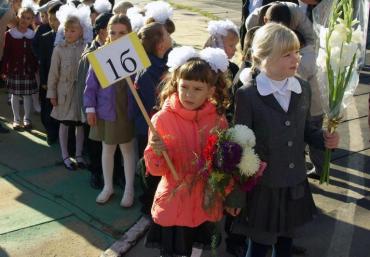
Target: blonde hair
(23,10)
(72,20)
(270,42)
(198,70)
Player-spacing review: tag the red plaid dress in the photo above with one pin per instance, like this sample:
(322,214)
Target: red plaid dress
(19,64)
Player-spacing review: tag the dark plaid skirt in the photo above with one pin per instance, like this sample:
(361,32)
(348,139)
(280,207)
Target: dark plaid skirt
(21,85)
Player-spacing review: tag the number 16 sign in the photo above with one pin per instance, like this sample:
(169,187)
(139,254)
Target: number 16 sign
(118,60)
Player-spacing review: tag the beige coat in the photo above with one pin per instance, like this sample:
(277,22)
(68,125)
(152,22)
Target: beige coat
(307,70)
(62,81)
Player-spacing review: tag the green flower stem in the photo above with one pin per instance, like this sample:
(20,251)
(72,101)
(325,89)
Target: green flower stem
(325,176)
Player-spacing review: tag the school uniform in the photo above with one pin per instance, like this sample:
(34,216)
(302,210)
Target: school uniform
(46,43)
(282,200)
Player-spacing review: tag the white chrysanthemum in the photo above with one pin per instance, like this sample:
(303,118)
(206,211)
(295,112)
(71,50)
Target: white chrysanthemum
(216,58)
(250,163)
(245,75)
(136,18)
(242,135)
(180,55)
(30,4)
(160,11)
(221,27)
(82,12)
(102,6)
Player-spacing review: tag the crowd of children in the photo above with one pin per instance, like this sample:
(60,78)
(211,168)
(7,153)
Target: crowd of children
(188,95)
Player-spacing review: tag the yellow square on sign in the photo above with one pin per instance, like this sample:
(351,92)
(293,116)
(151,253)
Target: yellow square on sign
(118,60)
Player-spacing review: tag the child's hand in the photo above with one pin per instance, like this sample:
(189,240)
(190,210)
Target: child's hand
(233,211)
(331,140)
(54,101)
(91,119)
(156,143)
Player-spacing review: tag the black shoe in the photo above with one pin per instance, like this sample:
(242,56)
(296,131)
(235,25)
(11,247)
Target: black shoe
(298,250)
(17,126)
(3,130)
(27,125)
(69,165)
(96,181)
(314,175)
(51,140)
(81,163)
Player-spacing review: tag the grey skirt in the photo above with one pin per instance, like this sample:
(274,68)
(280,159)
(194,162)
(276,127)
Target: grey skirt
(273,212)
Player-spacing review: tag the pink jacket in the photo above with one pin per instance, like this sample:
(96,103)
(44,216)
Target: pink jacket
(185,133)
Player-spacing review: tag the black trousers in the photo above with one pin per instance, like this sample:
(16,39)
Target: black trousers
(50,124)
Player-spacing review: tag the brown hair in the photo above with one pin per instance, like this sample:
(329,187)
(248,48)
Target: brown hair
(198,70)
(248,39)
(150,36)
(169,25)
(25,10)
(42,2)
(119,19)
(122,7)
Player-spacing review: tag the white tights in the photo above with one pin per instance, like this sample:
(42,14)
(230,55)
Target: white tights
(128,154)
(63,140)
(27,104)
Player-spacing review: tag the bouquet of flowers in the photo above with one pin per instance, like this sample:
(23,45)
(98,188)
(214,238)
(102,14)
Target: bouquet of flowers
(339,57)
(229,159)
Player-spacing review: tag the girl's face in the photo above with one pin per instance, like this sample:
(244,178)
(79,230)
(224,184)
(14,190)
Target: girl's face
(193,94)
(53,22)
(25,20)
(16,4)
(230,42)
(284,66)
(116,31)
(73,32)
(44,17)
(166,43)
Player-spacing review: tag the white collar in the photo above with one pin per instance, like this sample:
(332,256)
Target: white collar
(266,87)
(15,33)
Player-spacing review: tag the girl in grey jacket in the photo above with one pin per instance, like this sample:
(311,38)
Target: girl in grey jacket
(276,106)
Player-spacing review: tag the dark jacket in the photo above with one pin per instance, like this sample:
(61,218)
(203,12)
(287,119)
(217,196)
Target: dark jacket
(46,43)
(146,83)
(280,136)
(41,30)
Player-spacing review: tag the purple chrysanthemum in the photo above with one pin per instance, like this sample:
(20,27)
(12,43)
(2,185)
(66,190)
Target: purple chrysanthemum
(228,156)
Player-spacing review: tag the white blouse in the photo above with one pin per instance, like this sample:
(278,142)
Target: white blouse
(282,90)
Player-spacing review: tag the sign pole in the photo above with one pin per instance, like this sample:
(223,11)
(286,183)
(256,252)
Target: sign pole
(150,124)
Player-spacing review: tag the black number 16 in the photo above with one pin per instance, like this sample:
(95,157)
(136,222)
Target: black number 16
(124,63)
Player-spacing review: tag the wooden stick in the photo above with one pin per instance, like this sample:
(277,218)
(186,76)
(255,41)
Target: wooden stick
(150,124)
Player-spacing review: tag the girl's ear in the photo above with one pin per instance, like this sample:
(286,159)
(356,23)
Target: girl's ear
(211,91)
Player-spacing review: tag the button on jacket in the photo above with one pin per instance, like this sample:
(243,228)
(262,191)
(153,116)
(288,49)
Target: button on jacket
(280,135)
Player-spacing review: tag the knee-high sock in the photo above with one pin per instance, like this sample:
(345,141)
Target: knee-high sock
(107,165)
(15,107)
(128,154)
(27,105)
(36,101)
(79,140)
(63,140)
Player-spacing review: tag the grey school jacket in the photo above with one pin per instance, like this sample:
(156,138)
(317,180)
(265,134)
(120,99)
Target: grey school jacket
(280,135)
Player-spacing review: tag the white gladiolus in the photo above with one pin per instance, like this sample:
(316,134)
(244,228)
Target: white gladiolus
(338,35)
(250,163)
(321,59)
(242,135)
(357,36)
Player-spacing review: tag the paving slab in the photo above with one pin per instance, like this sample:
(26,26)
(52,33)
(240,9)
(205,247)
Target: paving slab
(357,107)
(73,188)
(69,237)
(24,150)
(22,208)
(4,170)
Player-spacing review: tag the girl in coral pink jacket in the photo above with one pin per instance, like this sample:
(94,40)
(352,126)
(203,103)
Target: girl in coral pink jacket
(193,103)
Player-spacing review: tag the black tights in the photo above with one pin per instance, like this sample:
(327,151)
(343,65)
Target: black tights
(283,248)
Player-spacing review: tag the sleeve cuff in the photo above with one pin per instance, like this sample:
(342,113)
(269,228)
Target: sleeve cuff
(90,110)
